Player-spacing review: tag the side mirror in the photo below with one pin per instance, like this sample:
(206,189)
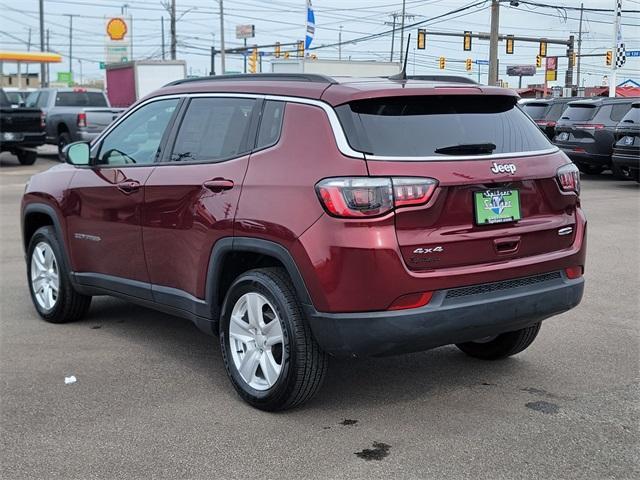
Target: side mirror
(77,153)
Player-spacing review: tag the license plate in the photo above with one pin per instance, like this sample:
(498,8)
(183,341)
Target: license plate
(496,206)
(627,140)
(562,136)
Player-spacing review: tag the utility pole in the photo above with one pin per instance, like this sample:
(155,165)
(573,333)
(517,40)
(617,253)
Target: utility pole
(340,44)
(579,46)
(28,50)
(493,42)
(222,66)
(404,13)
(70,44)
(48,76)
(393,33)
(162,30)
(173,29)
(43,80)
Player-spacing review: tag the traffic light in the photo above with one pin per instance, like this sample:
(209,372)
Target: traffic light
(253,60)
(510,44)
(422,39)
(277,50)
(466,43)
(286,55)
(538,61)
(300,48)
(543,48)
(467,64)
(442,62)
(572,59)
(609,58)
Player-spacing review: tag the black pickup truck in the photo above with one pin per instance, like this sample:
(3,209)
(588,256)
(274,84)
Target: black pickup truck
(21,130)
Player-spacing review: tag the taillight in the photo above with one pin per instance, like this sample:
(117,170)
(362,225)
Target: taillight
(351,197)
(569,178)
(82,119)
(43,120)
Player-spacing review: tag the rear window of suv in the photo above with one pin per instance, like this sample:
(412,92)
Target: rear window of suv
(580,112)
(535,110)
(419,126)
(81,99)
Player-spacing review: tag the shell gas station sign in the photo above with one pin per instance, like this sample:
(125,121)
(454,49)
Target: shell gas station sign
(117,43)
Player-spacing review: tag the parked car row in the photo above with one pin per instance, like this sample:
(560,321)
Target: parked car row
(21,130)
(64,115)
(596,133)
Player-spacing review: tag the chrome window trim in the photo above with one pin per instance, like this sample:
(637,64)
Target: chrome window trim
(336,127)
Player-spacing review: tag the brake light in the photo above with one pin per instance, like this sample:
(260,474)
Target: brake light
(82,119)
(353,197)
(589,126)
(412,300)
(79,90)
(43,120)
(573,272)
(569,178)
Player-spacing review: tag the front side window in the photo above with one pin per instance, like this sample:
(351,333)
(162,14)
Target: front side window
(136,140)
(43,99)
(214,129)
(435,125)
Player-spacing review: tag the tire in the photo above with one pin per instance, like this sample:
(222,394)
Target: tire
(26,157)
(621,174)
(590,169)
(303,364)
(63,140)
(502,346)
(65,305)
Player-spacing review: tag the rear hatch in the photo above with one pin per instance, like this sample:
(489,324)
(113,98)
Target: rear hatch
(575,130)
(497,198)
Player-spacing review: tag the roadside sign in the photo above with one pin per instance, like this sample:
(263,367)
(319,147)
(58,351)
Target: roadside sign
(64,77)
(521,70)
(102,66)
(245,31)
(482,62)
(633,53)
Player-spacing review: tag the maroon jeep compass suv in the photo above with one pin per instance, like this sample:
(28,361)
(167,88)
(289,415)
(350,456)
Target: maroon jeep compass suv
(301,216)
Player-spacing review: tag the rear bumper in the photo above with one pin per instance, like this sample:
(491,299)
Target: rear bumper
(23,140)
(453,316)
(587,157)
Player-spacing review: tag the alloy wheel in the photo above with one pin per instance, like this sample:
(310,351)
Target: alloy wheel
(45,280)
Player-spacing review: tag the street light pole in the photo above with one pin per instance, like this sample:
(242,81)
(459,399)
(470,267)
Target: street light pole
(222,66)
(404,13)
(579,46)
(173,29)
(493,42)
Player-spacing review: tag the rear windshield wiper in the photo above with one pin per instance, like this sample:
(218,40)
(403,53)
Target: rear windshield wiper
(468,148)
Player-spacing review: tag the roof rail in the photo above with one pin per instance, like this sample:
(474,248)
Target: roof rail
(285,77)
(443,78)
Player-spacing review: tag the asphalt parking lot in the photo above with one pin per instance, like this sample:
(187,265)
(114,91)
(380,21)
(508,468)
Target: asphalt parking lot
(152,399)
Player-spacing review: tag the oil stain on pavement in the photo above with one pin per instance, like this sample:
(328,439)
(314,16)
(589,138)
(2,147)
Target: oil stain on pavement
(542,406)
(378,452)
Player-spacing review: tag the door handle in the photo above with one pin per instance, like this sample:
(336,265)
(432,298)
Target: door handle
(218,184)
(129,186)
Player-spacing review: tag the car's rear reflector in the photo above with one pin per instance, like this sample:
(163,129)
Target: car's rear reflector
(574,272)
(412,300)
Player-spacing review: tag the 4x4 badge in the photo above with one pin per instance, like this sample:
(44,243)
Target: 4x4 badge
(503,168)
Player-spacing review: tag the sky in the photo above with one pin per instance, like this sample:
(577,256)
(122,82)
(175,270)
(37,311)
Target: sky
(198,28)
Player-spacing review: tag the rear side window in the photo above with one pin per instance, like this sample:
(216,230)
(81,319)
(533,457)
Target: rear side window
(633,115)
(439,125)
(270,124)
(535,110)
(214,129)
(80,99)
(618,111)
(579,112)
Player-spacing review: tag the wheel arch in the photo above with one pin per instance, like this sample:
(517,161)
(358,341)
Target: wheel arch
(37,215)
(233,256)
